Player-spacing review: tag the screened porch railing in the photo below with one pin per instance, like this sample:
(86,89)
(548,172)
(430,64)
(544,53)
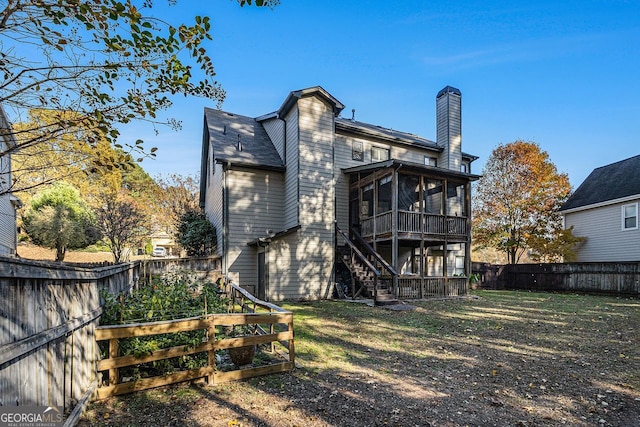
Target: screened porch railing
(414,222)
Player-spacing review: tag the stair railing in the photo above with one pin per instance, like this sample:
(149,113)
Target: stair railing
(385,265)
(355,252)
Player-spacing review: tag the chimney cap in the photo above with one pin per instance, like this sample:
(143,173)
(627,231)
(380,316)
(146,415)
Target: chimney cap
(449,89)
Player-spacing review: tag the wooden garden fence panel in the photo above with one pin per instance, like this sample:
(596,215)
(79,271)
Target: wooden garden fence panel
(48,315)
(272,326)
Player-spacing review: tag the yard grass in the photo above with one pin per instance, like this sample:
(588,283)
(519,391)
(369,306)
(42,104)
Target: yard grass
(498,358)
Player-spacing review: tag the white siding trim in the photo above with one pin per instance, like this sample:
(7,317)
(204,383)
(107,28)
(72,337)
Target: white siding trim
(601,204)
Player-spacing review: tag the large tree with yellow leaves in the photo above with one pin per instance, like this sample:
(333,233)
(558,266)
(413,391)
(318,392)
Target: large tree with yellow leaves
(516,203)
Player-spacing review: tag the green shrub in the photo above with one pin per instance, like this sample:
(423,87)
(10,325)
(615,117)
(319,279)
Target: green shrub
(176,295)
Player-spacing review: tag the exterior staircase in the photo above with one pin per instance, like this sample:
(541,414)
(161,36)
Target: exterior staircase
(367,279)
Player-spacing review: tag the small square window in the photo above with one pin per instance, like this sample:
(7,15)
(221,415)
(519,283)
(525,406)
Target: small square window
(463,168)
(357,152)
(379,154)
(630,217)
(430,161)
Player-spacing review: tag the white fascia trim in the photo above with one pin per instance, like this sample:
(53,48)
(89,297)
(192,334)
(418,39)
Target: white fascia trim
(601,204)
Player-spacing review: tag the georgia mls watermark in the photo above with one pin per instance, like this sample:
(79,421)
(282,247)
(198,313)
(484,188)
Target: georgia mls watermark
(31,416)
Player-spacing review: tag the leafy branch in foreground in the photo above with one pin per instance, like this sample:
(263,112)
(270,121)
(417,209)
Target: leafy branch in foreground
(94,65)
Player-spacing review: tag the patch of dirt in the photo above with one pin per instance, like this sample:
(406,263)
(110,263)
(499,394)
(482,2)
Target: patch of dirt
(30,251)
(504,359)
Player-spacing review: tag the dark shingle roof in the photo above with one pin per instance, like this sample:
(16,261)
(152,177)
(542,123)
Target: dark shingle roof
(226,130)
(611,182)
(384,133)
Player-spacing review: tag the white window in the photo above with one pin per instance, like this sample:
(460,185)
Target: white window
(459,271)
(379,154)
(463,168)
(430,161)
(357,152)
(630,217)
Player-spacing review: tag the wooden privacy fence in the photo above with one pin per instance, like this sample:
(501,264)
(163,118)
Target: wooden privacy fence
(48,315)
(270,325)
(204,268)
(606,277)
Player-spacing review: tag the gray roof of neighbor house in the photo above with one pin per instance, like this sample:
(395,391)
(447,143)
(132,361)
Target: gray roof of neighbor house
(240,140)
(611,182)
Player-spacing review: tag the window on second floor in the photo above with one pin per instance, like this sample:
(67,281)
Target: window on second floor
(430,161)
(357,152)
(463,168)
(379,154)
(630,217)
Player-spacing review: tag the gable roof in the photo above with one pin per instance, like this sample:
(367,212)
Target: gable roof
(606,183)
(293,97)
(240,140)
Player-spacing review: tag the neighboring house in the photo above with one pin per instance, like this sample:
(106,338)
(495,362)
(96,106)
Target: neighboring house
(162,238)
(8,203)
(291,191)
(604,209)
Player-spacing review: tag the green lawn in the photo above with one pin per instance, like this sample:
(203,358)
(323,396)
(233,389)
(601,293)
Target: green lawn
(498,358)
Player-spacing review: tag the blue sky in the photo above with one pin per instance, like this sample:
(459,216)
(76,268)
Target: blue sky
(564,74)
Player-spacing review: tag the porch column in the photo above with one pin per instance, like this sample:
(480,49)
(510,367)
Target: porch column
(394,229)
(467,252)
(445,255)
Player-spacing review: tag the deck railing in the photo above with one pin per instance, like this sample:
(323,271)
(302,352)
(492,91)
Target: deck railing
(430,287)
(415,222)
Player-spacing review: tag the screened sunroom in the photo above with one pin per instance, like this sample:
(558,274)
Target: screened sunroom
(417,218)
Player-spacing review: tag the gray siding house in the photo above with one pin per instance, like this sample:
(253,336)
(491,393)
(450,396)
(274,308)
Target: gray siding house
(604,209)
(8,203)
(293,192)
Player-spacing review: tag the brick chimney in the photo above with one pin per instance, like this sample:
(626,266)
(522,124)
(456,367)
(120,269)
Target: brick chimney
(449,127)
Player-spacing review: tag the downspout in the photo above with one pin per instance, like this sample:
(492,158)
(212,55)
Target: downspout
(225,220)
(266,274)
(334,239)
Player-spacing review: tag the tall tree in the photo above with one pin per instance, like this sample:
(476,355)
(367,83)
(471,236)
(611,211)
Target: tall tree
(178,195)
(60,219)
(516,202)
(96,64)
(66,158)
(121,222)
(196,234)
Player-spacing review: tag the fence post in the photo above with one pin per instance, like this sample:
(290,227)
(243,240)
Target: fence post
(211,337)
(272,330)
(292,353)
(113,353)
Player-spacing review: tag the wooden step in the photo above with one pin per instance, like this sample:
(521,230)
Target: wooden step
(386,299)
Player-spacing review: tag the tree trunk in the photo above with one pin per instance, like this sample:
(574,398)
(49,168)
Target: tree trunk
(60,252)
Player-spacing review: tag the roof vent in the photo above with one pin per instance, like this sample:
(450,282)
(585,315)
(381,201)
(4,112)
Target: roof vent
(239,143)
(224,131)
(353,114)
